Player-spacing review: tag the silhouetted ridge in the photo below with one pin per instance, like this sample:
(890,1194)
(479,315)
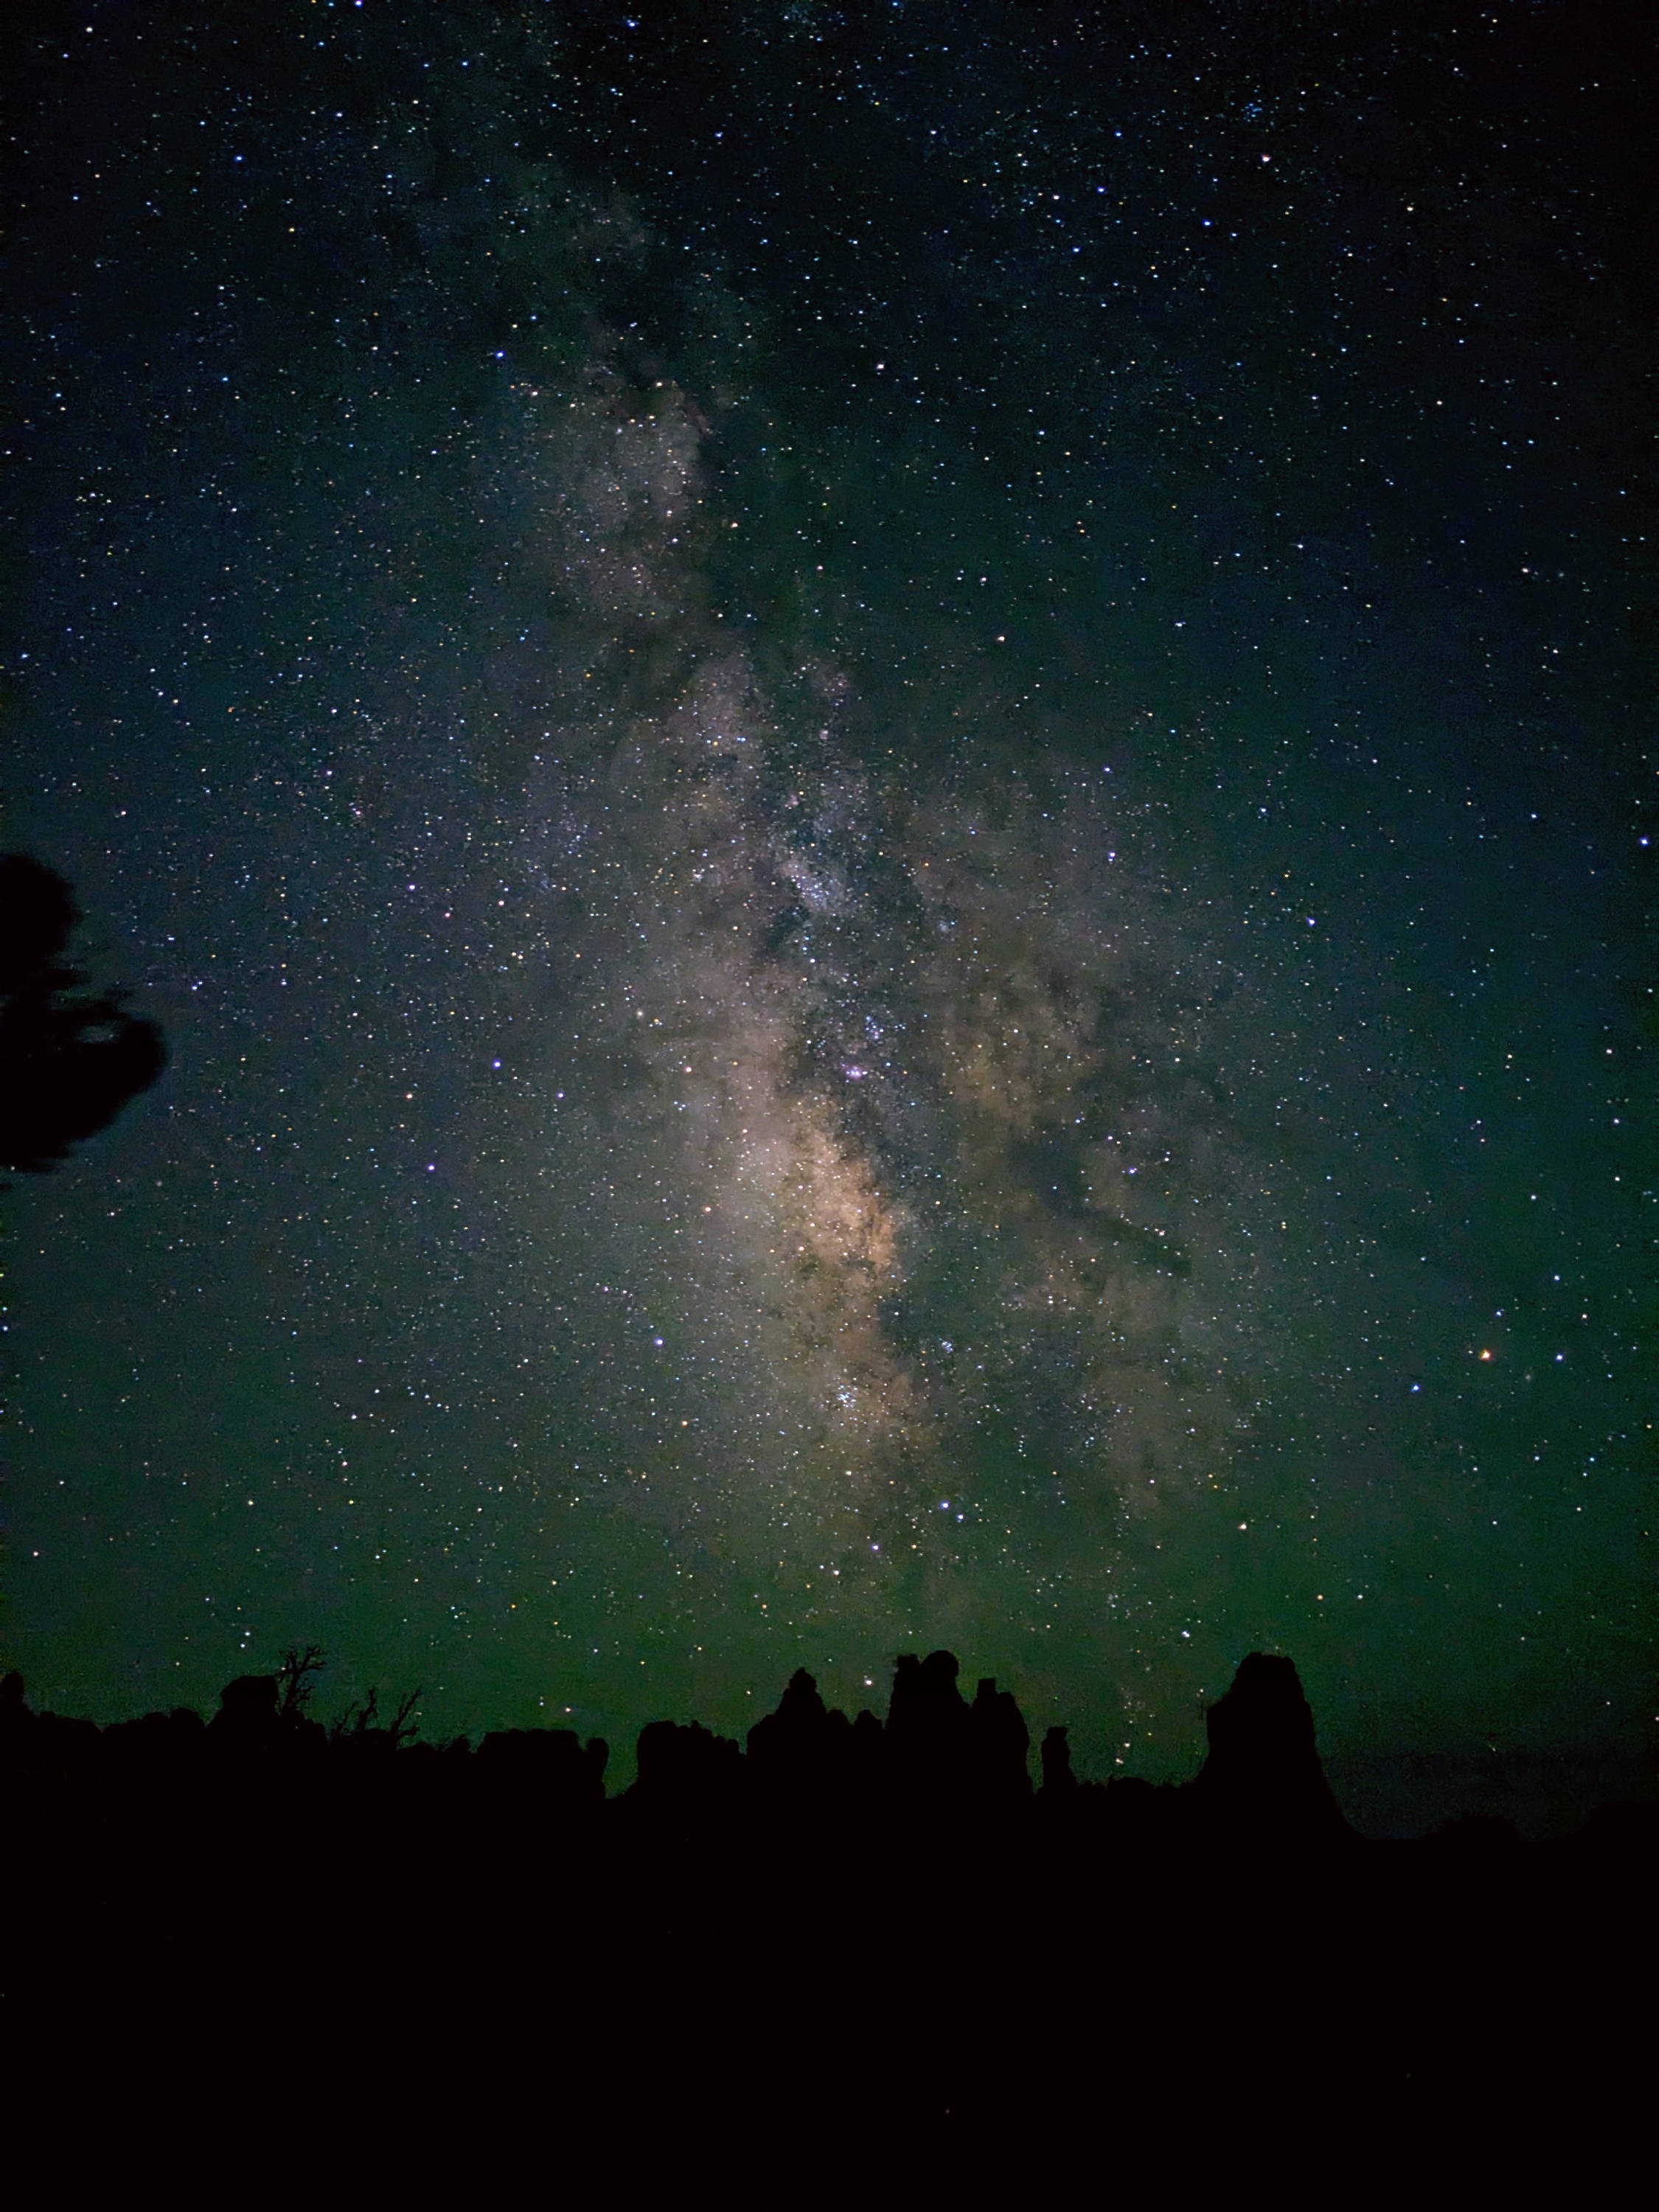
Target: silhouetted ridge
(552,1765)
(686,1765)
(247,1710)
(1206,1966)
(803,1750)
(958,1768)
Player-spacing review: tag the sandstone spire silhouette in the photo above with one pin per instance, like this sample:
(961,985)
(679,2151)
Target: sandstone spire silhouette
(1262,1780)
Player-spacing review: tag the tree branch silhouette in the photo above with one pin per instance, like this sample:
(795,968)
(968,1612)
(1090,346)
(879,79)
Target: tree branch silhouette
(70,1058)
(296,1679)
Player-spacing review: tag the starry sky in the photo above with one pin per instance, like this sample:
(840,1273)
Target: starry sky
(881,772)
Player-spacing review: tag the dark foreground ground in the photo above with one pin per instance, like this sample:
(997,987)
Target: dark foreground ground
(282,1962)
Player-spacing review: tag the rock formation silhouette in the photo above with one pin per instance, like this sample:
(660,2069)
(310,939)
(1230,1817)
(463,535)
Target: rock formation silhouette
(1263,1782)
(1197,1967)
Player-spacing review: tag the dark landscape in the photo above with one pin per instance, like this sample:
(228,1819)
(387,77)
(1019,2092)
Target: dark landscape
(861,1947)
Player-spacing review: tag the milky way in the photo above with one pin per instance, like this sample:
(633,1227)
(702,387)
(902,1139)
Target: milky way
(882,1080)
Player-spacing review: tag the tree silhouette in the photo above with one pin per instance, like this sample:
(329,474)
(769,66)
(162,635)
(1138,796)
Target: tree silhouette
(70,1059)
(296,1679)
(364,1720)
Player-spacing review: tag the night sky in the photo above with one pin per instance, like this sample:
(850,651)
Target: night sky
(879,770)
